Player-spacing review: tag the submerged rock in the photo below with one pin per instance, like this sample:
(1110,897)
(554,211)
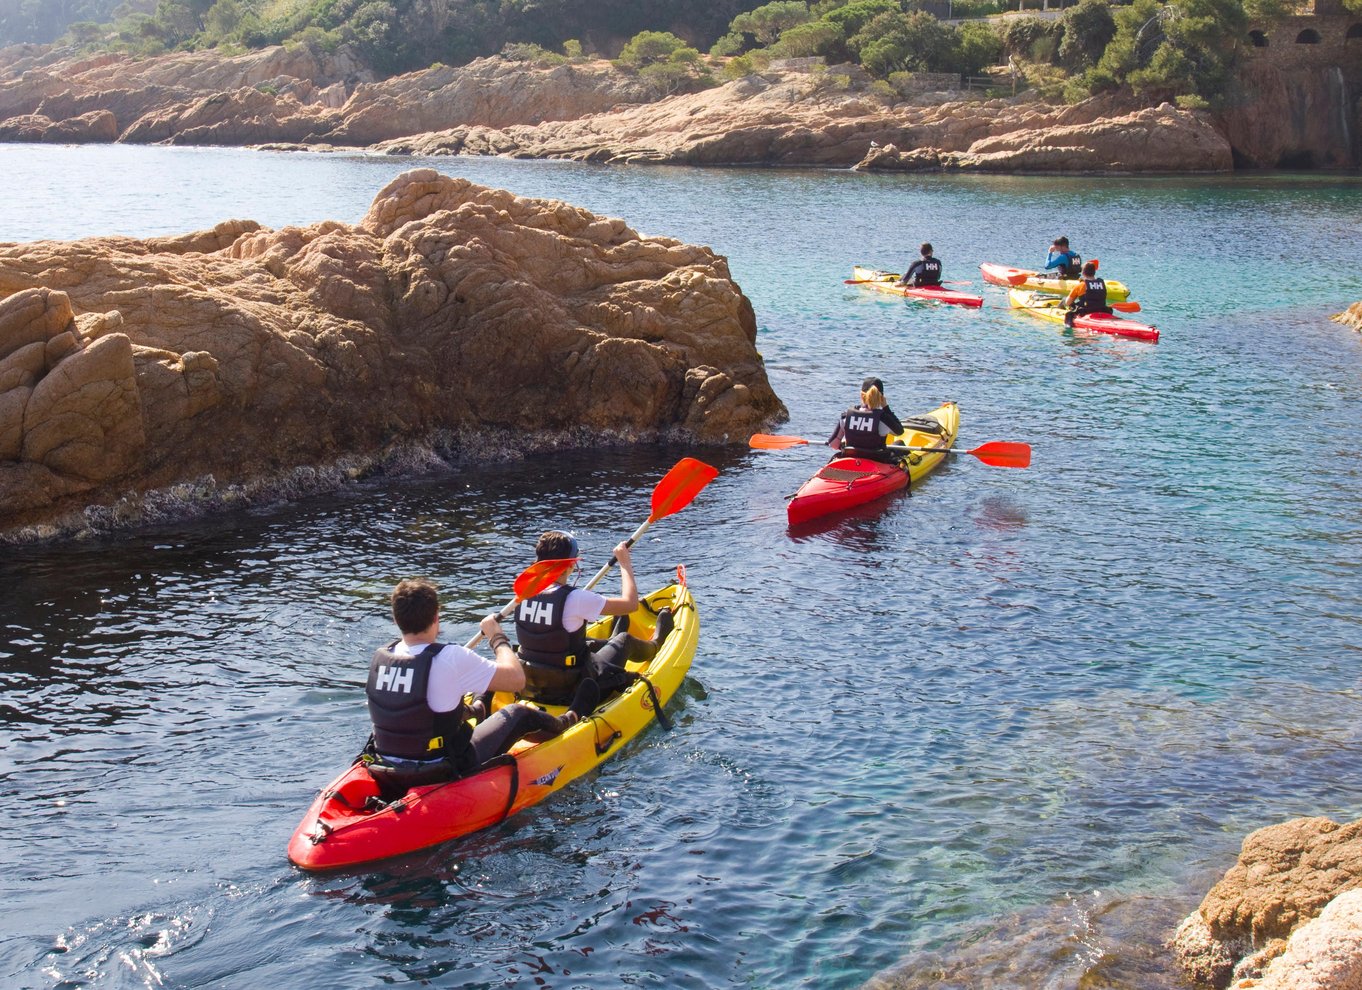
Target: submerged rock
(242,353)
(1254,923)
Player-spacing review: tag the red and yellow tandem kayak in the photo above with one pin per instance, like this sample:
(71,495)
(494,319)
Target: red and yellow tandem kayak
(1052,308)
(1023,278)
(878,281)
(845,482)
(348,824)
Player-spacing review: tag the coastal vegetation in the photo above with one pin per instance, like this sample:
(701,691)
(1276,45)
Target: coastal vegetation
(1182,50)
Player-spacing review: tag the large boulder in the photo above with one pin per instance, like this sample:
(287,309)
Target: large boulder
(450,311)
(1285,876)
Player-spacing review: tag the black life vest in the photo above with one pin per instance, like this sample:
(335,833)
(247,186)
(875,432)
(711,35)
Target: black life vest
(929,272)
(1094,295)
(861,428)
(1073,268)
(405,726)
(542,638)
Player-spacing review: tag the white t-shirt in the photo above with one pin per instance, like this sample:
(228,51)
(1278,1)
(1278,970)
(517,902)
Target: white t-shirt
(581,607)
(455,672)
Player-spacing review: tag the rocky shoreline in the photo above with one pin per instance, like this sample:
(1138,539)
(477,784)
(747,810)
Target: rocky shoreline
(807,115)
(450,317)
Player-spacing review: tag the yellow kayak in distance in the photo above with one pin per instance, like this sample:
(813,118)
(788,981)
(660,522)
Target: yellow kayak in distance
(1022,278)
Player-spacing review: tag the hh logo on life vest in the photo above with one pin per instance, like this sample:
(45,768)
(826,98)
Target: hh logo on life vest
(538,613)
(391,679)
(860,422)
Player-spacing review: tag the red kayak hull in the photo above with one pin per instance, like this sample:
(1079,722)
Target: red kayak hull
(882,281)
(843,483)
(1116,325)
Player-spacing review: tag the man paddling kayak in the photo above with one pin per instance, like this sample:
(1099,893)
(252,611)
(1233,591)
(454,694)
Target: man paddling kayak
(864,430)
(1088,296)
(1060,262)
(925,272)
(554,650)
(416,688)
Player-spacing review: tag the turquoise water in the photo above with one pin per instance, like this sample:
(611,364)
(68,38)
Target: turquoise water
(1008,726)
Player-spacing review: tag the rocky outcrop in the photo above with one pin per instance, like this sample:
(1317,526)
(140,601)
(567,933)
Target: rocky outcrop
(802,119)
(1352,316)
(1253,923)
(586,111)
(291,95)
(451,314)
(1153,139)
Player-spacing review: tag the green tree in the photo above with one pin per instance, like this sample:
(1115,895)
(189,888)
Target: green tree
(768,21)
(647,47)
(1088,29)
(914,42)
(980,46)
(810,38)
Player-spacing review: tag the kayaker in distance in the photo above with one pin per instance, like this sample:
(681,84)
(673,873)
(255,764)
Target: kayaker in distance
(416,688)
(555,652)
(1088,296)
(1060,262)
(864,430)
(926,271)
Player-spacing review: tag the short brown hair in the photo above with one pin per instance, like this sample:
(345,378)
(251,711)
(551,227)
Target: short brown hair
(1090,268)
(554,545)
(416,604)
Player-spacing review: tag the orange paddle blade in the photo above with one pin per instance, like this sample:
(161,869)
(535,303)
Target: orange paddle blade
(1004,453)
(769,441)
(681,484)
(540,575)
(1018,278)
(1125,307)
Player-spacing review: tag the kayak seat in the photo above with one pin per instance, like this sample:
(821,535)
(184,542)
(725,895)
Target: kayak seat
(841,474)
(923,424)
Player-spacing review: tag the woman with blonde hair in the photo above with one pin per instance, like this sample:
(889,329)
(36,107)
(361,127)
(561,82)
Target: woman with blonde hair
(864,430)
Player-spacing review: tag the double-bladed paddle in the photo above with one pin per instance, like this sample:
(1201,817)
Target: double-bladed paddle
(672,494)
(998,453)
(866,281)
(531,581)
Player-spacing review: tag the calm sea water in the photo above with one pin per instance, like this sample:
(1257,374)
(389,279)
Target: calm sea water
(1001,732)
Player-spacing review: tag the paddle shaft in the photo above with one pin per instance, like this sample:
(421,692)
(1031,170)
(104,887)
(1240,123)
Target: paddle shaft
(605,568)
(506,610)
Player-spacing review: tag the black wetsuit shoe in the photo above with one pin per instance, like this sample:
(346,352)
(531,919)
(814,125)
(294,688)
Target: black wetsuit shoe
(665,625)
(586,699)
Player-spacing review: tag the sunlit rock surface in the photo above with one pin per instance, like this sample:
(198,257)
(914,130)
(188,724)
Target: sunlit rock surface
(241,353)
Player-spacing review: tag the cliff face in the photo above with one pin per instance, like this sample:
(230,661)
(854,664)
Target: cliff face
(128,365)
(1295,118)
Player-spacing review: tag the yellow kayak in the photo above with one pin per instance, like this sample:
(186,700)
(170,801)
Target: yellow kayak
(1021,278)
(349,823)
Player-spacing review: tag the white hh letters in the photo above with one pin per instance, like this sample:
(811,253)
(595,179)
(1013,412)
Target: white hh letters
(392,679)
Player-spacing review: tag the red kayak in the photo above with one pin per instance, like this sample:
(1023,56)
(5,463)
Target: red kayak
(879,281)
(1052,308)
(850,481)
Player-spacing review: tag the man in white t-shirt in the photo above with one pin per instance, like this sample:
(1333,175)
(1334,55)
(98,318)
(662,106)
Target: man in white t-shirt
(551,630)
(416,688)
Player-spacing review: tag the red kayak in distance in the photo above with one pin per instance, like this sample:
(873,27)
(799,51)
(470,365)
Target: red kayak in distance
(1052,308)
(879,281)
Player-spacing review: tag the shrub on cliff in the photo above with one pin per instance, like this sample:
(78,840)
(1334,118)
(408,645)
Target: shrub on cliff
(1088,29)
(768,21)
(1164,51)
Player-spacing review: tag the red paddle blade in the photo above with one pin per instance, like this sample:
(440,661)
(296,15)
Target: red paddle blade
(1004,453)
(769,441)
(540,575)
(681,484)
(1125,307)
